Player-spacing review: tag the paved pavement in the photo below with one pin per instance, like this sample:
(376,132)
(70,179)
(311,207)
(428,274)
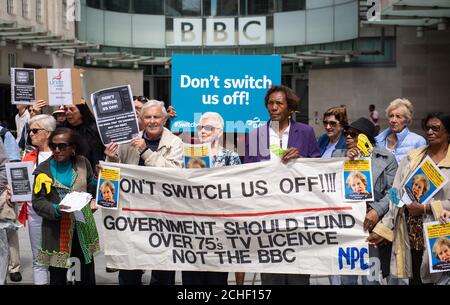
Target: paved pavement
(104,278)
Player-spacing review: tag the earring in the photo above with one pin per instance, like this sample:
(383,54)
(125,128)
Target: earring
(73,153)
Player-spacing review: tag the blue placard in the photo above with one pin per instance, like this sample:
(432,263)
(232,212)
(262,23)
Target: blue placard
(232,85)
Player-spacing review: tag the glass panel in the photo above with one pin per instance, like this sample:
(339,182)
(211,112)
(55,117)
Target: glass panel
(220,7)
(94,3)
(122,6)
(183,7)
(289,5)
(154,7)
(256,7)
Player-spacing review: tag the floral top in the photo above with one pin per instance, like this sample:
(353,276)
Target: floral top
(225,157)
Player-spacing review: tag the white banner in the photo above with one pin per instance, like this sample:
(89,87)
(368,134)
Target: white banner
(261,217)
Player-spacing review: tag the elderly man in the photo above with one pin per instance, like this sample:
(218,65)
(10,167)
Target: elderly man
(155,146)
(283,139)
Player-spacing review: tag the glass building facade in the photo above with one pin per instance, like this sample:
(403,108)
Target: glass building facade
(150,28)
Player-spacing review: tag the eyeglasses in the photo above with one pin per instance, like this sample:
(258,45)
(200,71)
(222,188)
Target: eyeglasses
(141,99)
(434,128)
(35,130)
(331,123)
(60,146)
(206,127)
(353,134)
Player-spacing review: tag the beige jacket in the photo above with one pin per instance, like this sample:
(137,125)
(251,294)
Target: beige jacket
(393,225)
(169,153)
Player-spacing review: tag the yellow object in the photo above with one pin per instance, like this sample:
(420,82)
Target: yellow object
(42,179)
(364,145)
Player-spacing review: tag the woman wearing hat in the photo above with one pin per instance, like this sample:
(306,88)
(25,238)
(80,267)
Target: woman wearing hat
(60,116)
(384,167)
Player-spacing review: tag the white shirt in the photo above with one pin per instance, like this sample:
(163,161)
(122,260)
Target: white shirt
(276,140)
(43,156)
(21,121)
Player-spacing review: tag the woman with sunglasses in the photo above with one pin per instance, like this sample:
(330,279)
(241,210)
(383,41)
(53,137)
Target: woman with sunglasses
(403,225)
(384,167)
(41,126)
(210,130)
(334,121)
(80,119)
(63,236)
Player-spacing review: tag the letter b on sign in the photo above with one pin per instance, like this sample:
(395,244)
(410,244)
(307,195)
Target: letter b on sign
(220,31)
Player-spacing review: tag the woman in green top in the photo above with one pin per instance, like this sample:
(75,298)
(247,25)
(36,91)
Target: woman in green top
(64,237)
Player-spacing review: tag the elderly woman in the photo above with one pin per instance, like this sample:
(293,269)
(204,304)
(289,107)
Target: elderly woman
(41,126)
(398,139)
(210,130)
(334,121)
(403,225)
(63,236)
(384,167)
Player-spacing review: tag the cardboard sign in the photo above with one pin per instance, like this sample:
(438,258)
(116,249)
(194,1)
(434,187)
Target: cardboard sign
(59,86)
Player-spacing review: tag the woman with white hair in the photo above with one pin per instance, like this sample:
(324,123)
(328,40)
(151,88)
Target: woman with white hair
(210,130)
(398,139)
(41,126)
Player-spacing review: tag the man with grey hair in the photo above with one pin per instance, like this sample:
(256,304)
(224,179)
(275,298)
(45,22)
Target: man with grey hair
(155,146)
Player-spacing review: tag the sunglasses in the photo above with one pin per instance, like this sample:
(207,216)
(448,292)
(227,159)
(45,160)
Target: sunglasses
(60,146)
(331,123)
(353,134)
(434,128)
(206,127)
(36,130)
(142,99)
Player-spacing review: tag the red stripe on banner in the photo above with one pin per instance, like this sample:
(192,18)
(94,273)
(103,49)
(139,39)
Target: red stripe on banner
(239,214)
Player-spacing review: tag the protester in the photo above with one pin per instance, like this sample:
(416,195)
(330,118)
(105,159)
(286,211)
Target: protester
(374,117)
(398,139)
(210,130)
(21,118)
(284,138)
(8,217)
(384,168)
(156,146)
(404,225)
(60,116)
(139,102)
(334,122)
(63,236)
(80,119)
(12,153)
(41,126)
(25,144)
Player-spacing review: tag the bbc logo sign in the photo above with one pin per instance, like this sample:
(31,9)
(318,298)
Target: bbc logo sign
(219,31)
